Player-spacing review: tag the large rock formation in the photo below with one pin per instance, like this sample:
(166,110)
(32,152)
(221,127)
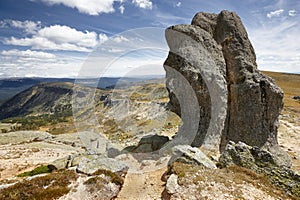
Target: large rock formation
(236,102)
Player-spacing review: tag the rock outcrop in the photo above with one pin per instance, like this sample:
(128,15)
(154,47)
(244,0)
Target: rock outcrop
(236,102)
(262,162)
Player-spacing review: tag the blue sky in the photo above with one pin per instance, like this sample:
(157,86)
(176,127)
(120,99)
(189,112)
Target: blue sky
(58,38)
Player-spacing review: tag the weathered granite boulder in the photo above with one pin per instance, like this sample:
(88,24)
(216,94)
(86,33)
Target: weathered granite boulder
(62,163)
(236,102)
(192,155)
(262,162)
(148,144)
(155,142)
(90,166)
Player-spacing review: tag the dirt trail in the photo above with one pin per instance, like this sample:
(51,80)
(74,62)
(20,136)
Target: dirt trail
(146,186)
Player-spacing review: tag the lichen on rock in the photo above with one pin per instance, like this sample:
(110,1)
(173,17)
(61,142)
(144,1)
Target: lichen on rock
(262,162)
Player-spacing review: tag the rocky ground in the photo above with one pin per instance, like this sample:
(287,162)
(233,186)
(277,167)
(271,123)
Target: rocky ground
(23,151)
(289,137)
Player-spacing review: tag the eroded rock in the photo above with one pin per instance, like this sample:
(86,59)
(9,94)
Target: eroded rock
(236,101)
(90,166)
(262,162)
(193,155)
(148,144)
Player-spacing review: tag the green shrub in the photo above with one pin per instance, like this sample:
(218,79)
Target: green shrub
(39,170)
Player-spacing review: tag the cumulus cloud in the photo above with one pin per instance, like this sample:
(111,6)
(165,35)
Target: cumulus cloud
(292,13)
(57,37)
(28,26)
(145,4)
(97,7)
(90,7)
(275,13)
(65,34)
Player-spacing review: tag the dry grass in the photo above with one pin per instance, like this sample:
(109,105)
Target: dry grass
(290,84)
(115,178)
(48,187)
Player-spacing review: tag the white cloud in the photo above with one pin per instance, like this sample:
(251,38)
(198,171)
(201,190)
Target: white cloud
(178,4)
(121,8)
(96,7)
(292,13)
(120,39)
(275,13)
(44,44)
(103,37)
(277,46)
(64,34)
(90,7)
(28,63)
(58,37)
(28,26)
(145,4)
(28,54)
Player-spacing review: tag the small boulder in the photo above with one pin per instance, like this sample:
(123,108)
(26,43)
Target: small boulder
(244,155)
(149,143)
(62,163)
(156,141)
(90,166)
(188,154)
(172,184)
(262,162)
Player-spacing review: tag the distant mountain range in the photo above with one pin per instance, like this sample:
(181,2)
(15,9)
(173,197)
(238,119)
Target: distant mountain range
(12,86)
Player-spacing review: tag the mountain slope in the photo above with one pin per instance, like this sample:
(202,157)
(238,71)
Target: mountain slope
(43,98)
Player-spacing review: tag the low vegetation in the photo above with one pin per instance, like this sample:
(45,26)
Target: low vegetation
(115,178)
(48,187)
(231,178)
(36,122)
(98,182)
(39,170)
